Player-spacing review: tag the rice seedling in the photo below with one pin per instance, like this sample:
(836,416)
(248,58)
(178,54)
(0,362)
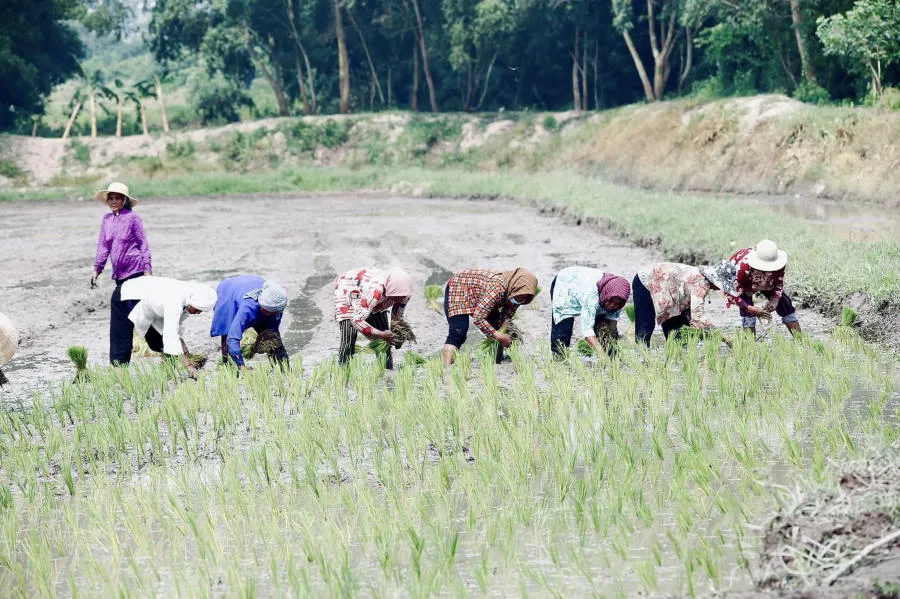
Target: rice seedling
(848,317)
(79,356)
(629,312)
(434,296)
(401,329)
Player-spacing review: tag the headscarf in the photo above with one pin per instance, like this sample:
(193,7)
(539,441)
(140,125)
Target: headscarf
(398,283)
(613,287)
(201,297)
(722,275)
(519,282)
(271,296)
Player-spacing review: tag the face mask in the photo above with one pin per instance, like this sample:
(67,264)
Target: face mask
(513,301)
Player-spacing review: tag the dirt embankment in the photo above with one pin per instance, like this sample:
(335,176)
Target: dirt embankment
(761,144)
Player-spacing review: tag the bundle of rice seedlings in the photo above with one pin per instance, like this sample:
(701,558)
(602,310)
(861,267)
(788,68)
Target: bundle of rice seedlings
(401,329)
(198,361)
(79,355)
(413,360)
(434,294)
(492,347)
(848,317)
(513,330)
(629,312)
(140,348)
(584,348)
(248,344)
(378,347)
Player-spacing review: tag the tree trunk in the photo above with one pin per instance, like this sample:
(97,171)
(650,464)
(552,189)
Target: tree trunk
(143,117)
(272,76)
(576,89)
(162,104)
(596,74)
(487,79)
(303,97)
(343,59)
(365,46)
(414,100)
(584,76)
(809,70)
(468,93)
(426,67)
(642,72)
(72,118)
(34,127)
(92,103)
(390,87)
(312,107)
(119,110)
(688,59)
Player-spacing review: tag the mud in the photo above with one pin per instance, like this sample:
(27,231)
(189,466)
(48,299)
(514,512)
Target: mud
(301,241)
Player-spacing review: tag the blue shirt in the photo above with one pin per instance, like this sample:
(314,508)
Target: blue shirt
(575,294)
(235,313)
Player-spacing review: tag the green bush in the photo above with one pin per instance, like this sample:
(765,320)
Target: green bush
(334,133)
(812,93)
(80,152)
(182,149)
(10,169)
(550,123)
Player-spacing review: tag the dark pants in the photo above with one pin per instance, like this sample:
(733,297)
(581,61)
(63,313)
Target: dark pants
(379,320)
(784,309)
(645,315)
(560,332)
(458,326)
(121,330)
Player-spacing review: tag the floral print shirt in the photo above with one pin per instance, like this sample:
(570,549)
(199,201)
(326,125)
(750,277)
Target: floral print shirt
(575,294)
(675,288)
(751,280)
(360,293)
(478,293)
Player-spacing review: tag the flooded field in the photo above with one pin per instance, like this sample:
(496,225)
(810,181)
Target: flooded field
(650,473)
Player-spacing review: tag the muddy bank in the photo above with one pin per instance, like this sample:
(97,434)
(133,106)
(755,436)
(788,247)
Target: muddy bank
(302,241)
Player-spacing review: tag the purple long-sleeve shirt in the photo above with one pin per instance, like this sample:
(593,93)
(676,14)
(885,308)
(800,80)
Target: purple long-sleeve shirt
(123,241)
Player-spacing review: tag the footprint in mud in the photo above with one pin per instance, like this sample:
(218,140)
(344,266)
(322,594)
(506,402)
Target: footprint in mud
(439,275)
(305,314)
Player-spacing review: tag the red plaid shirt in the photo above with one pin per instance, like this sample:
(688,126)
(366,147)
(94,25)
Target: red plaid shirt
(478,293)
(750,280)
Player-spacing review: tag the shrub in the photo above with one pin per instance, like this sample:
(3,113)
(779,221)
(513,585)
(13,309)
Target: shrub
(811,93)
(80,152)
(10,169)
(184,149)
(550,123)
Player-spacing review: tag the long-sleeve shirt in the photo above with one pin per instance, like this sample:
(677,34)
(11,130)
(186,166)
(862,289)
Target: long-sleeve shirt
(235,313)
(751,280)
(161,305)
(360,293)
(478,293)
(575,294)
(675,288)
(123,241)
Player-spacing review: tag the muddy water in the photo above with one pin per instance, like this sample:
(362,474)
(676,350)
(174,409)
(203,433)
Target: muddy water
(305,315)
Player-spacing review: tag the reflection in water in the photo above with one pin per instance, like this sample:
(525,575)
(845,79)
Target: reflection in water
(847,220)
(439,275)
(305,314)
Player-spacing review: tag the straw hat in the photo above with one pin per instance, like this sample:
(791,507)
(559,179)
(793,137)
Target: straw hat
(9,340)
(767,257)
(115,187)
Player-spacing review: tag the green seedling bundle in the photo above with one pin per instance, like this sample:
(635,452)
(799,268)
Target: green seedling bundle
(648,473)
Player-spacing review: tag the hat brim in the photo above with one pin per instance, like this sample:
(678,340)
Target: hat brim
(101,197)
(779,263)
(726,287)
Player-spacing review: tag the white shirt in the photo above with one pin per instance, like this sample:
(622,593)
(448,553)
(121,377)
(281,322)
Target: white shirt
(162,304)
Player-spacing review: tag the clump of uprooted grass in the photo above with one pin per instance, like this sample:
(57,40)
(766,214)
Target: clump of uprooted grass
(268,342)
(402,331)
(79,356)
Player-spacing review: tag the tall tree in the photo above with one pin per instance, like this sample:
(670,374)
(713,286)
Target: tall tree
(343,58)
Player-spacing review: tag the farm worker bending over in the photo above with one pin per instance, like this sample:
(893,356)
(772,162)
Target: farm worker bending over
(673,295)
(244,302)
(123,242)
(9,343)
(596,297)
(162,305)
(761,270)
(490,297)
(362,299)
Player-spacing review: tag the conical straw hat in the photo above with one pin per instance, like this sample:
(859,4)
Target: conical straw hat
(9,340)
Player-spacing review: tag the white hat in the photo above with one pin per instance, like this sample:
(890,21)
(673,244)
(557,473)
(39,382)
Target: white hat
(115,187)
(202,297)
(767,257)
(9,340)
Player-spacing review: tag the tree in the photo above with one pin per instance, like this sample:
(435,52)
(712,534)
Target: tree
(91,86)
(38,50)
(867,34)
(423,49)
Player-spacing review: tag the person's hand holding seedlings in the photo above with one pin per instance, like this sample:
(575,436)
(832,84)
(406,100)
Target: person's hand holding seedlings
(596,298)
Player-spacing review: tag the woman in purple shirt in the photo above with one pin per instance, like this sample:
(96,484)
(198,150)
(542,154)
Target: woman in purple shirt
(122,241)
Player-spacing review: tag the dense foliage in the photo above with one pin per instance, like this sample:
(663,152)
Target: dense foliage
(326,56)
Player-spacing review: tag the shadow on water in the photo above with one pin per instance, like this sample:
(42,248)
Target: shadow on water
(305,314)
(439,275)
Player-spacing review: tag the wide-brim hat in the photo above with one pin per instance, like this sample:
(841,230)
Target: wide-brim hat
(9,340)
(723,275)
(767,257)
(115,187)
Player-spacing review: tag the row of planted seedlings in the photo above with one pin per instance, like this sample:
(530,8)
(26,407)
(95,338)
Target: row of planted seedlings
(650,471)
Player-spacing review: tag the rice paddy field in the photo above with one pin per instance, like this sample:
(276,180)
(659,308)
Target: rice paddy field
(657,472)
